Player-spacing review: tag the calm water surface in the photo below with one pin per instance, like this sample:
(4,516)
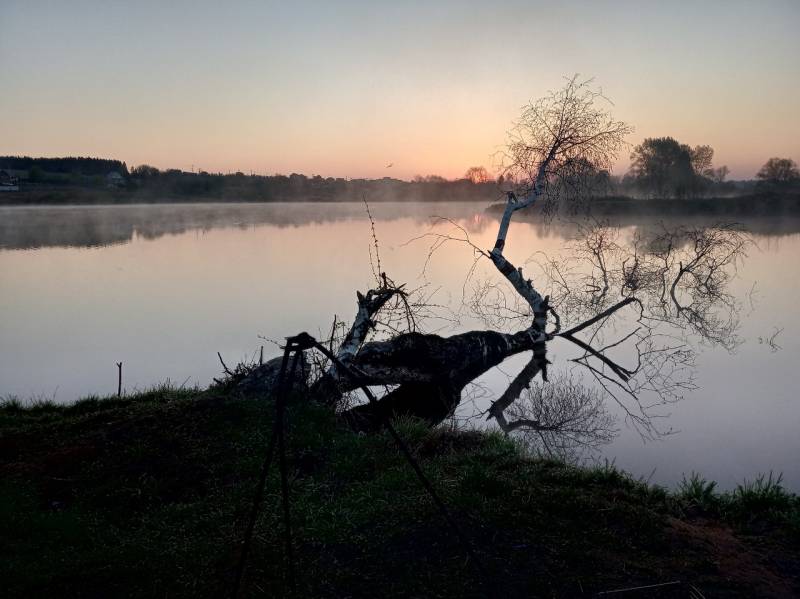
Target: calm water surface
(163,288)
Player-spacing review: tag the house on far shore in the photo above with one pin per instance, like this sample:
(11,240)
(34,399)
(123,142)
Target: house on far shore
(7,182)
(115,180)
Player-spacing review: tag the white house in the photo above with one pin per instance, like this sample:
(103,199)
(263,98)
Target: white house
(115,179)
(8,182)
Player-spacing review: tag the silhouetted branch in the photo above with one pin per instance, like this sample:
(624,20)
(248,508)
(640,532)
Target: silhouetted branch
(604,314)
(224,366)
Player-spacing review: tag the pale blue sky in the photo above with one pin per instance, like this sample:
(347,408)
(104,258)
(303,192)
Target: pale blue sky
(343,88)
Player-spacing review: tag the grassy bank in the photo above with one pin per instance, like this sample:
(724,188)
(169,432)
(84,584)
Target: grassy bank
(148,496)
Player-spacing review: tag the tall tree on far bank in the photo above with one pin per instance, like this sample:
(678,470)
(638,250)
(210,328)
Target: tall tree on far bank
(662,167)
(779,172)
(702,158)
(477,174)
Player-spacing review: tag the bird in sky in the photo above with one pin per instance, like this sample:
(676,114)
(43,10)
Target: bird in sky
(390,165)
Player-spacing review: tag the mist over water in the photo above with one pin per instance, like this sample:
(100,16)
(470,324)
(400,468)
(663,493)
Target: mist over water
(162,288)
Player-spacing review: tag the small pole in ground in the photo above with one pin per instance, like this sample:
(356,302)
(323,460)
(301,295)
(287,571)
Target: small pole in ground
(119,379)
(261,356)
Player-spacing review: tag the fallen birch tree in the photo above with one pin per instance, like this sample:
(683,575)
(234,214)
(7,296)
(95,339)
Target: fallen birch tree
(676,277)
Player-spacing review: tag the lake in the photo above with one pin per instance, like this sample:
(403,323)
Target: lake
(163,288)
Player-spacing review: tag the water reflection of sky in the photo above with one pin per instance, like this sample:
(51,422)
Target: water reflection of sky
(163,288)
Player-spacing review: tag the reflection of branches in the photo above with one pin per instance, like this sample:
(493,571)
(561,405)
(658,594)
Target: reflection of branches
(678,276)
(698,291)
(561,419)
(522,381)
(642,300)
(771,340)
(662,373)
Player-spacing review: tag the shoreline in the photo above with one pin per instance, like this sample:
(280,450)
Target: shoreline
(752,203)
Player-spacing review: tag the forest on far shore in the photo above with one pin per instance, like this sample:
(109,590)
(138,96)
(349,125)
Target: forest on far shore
(661,168)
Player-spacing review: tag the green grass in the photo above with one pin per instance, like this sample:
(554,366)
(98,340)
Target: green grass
(147,495)
(762,500)
(763,496)
(699,493)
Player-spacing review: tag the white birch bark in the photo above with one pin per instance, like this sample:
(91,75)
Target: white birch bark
(524,287)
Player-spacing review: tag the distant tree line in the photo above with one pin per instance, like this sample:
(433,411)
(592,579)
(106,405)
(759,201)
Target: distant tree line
(148,179)
(38,169)
(660,168)
(149,183)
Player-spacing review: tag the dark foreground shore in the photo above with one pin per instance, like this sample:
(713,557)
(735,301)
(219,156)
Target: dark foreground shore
(148,496)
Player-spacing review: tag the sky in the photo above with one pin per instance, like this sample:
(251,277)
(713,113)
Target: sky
(346,88)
